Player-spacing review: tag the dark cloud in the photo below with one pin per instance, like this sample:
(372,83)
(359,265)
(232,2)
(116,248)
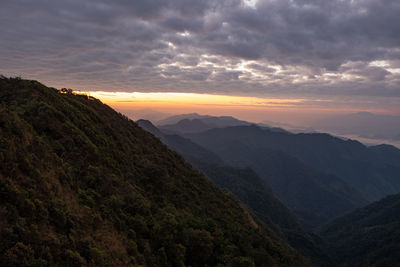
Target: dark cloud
(285,47)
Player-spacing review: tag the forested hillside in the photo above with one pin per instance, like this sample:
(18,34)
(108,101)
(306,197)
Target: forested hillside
(81,184)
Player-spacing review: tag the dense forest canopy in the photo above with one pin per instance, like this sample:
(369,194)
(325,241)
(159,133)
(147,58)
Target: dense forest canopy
(81,184)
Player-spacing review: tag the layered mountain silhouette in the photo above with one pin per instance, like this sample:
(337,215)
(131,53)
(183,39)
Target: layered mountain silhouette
(192,123)
(221,121)
(243,182)
(317,176)
(248,187)
(370,170)
(81,184)
(314,196)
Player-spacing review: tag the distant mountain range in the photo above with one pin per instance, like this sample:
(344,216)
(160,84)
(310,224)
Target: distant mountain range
(207,160)
(366,127)
(315,203)
(245,184)
(345,170)
(370,170)
(191,123)
(318,176)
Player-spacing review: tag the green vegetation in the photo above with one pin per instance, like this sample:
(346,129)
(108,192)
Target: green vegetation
(81,184)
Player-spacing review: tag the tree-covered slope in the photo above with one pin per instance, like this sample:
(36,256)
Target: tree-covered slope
(369,236)
(81,184)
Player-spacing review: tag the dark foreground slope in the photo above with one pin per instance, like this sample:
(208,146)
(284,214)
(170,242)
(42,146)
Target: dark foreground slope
(82,185)
(369,236)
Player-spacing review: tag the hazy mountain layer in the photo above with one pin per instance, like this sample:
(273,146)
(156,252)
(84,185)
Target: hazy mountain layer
(313,195)
(374,174)
(220,121)
(192,123)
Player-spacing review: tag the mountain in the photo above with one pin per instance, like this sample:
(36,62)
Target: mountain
(369,236)
(221,120)
(374,174)
(248,187)
(244,183)
(192,123)
(313,195)
(81,184)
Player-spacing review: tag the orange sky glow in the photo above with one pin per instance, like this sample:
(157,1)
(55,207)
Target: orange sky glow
(256,109)
(189,100)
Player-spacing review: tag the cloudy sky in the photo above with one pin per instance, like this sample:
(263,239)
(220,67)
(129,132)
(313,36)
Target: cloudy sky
(337,54)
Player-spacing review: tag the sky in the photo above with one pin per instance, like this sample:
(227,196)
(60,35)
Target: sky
(308,57)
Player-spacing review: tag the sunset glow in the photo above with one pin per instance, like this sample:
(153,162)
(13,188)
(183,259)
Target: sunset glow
(296,111)
(172,99)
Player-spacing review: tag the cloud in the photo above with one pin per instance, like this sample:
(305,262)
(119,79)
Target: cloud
(303,47)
